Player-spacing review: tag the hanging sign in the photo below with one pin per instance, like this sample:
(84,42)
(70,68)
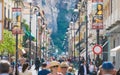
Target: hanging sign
(97,14)
(16,12)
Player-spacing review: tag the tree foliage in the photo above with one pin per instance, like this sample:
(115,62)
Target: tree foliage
(8,43)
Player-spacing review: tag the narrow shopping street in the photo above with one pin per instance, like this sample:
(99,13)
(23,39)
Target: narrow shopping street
(59,37)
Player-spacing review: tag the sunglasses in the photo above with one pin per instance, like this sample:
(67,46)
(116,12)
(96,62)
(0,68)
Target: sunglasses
(55,66)
(63,67)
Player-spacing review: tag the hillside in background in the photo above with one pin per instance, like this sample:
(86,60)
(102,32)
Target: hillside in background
(65,11)
(58,14)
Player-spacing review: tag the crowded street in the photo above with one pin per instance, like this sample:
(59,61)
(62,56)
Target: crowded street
(59,37)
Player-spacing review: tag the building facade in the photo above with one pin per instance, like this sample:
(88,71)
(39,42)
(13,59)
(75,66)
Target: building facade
(112,25)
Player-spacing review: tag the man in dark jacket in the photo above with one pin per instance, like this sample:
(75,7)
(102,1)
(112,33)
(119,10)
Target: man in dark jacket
(44,71)
(83,69)
(37,64)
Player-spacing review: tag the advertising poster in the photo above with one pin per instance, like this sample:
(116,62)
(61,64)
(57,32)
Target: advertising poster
(97,12)
(16,13)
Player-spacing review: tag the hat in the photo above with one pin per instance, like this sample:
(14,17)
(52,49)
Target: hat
(107,66)
(64,64)
(70,69)
(53,63)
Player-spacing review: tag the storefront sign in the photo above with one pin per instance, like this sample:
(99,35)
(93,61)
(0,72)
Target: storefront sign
(16,12)
(97,12)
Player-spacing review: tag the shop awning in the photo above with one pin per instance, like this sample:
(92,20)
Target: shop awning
(27,33)
(114,50)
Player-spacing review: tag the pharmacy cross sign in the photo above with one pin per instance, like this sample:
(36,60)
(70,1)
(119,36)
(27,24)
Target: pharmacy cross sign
(97,49)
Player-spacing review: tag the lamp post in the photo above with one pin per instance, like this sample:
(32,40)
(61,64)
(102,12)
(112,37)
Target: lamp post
(30,2)
(72,23)
(78,8)
(30,34)
(16,30)
(36,34)
(43,47)
(69,34)
(36,11)
(86,31)
(98,60)
(74,42)
(79,47)
(84,8)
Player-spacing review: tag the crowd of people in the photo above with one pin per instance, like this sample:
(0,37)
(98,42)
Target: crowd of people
(56,67)
(48,67)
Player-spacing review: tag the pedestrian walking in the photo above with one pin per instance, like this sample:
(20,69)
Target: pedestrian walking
(70,71)
(108,69)
(54,68)
(44,70)
(92,69)
(4,67)
(63,68)
(83,69)
(25,70)
(37,64)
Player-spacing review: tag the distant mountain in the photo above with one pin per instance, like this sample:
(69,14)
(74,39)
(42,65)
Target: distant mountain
(64,16)
(58,14)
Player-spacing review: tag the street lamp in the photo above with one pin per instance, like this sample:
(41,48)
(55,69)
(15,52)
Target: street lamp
(43,47)
(78,9)
(30,2)
(86,21)
(36,11)
(73,19)
(85,9)
(73,29)
(16,30)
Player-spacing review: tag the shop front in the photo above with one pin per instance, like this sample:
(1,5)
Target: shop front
(115,56)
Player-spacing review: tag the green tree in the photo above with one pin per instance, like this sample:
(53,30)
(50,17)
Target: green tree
(8,43)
